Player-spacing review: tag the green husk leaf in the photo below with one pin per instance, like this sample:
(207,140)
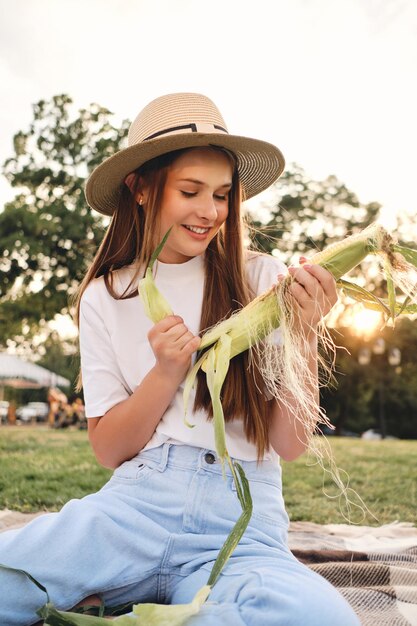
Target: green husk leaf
(217,367)
(404,305)
(371,301)
(409,254)
(166,615)
(50,614)
(392,300)
(91,609)
(53,617)
(155,304)
(148,614)
(243,491)
(189,383)
(391,296)
(31,578)
(158,250)
(362,295)
(406,308)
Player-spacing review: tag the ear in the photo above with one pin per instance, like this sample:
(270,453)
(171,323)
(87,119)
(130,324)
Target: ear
(130,181)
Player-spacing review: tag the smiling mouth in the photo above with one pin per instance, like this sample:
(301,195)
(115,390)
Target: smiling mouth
(196,229)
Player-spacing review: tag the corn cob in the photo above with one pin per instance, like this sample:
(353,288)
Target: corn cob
(252,323)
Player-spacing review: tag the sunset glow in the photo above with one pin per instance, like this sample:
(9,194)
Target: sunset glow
(365,321)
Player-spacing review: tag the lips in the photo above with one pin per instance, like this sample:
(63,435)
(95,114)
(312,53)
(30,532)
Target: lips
(198,230)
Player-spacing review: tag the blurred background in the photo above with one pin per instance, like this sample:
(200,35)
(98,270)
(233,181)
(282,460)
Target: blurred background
(332,84)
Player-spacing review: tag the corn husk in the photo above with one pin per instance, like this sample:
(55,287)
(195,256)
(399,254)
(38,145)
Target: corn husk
(147,613)
(155,304)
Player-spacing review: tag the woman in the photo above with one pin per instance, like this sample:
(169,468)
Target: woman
(154,531)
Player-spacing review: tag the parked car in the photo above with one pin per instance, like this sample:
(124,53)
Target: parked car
(33,411)
(325,430)
(4,410)
(373,433)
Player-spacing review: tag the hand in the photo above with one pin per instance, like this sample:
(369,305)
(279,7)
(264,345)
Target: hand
(173,345)
(314,291)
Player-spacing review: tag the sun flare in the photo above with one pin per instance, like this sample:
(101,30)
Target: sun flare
(365,322)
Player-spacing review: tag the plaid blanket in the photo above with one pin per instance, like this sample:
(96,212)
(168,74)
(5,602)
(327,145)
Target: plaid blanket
(374,568)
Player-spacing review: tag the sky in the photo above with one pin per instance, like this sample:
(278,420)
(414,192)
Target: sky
(332,83)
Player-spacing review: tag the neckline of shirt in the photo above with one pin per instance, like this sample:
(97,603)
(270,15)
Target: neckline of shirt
(168,270)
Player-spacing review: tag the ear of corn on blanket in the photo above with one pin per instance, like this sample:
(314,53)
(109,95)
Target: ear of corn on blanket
(244,329)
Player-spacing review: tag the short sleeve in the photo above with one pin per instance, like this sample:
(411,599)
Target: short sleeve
(262,271)
(103,383)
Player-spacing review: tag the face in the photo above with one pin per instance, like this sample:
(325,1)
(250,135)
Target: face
(195,203)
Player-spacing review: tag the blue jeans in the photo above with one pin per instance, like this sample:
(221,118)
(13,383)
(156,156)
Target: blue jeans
(152,534)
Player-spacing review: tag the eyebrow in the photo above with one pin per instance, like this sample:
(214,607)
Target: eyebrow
(200,182)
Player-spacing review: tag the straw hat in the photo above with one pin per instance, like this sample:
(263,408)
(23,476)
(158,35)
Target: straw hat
(172,122)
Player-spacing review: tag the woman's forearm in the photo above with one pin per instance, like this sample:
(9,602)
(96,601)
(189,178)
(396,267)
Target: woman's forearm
(287,435)
(127,427)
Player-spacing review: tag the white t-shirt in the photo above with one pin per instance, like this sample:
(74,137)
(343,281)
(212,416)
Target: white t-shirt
(116,354)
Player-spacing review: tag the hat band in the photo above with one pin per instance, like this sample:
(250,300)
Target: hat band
(194,127)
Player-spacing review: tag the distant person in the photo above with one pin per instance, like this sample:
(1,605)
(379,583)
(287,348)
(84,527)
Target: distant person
(79,414)
(55,399)
(11,413)
(154,531)
(78,409)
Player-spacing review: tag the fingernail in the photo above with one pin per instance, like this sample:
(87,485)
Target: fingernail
(303,259)
(281,276)
(307,266)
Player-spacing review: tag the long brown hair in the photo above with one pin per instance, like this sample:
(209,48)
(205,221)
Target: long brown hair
(130,239)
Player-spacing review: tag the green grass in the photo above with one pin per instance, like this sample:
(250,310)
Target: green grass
(41,469)
(382,473)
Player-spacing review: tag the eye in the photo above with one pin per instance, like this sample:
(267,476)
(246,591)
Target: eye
(189,194)
(219,197)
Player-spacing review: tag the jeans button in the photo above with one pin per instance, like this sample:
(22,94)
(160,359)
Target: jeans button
(209,458)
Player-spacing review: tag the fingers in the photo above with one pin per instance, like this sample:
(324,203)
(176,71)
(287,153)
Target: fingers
(167,323)
(315,279)
(172,335)
(324,278)
(305,286)
(173,346)
(314,289)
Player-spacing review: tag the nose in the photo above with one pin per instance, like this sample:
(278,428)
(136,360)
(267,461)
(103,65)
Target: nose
(207,209)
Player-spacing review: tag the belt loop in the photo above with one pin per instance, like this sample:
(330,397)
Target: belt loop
(164,457)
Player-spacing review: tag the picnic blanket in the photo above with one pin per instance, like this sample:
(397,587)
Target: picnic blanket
(374,568)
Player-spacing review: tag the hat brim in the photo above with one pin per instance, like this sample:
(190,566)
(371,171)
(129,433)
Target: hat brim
(259,164)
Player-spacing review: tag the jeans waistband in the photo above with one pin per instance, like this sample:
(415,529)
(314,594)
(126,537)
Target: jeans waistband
(194,458)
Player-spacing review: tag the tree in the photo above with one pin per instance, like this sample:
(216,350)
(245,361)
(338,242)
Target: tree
(352,402)
(62,357)
(347,398)
(48,234)
(305,215)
